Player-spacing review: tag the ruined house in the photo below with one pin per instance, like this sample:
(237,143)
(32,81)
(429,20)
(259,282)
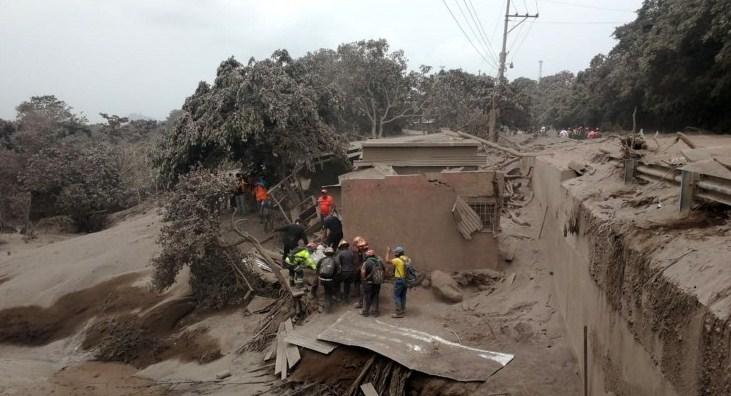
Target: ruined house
(428,194)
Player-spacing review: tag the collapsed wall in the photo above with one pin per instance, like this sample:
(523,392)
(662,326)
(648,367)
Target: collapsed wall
(652,329)
(416,211)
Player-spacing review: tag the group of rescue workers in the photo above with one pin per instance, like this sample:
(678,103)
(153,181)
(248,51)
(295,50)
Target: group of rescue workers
(345,270)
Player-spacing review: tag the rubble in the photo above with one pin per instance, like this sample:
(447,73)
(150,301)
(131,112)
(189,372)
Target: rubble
(445,287)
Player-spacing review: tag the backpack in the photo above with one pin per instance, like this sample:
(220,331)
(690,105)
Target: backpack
(411,274)
(376,276)
(327,267)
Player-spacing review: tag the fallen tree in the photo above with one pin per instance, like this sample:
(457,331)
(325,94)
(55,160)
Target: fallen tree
(191,237)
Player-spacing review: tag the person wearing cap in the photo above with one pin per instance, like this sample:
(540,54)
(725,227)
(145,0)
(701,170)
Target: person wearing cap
(328,270)
(360,246)
(399,275)
(326,204)
(371,278)
(348,274)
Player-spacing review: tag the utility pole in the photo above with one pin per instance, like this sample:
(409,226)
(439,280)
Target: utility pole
(540,71)
(494,113)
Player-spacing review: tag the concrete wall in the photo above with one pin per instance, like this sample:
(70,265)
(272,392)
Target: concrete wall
(618,362)
(415,211)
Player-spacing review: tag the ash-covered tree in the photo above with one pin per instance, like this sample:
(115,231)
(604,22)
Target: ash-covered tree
(81,182)
(191,237)
(377,85)
(459,100)
(44,120)
(265,114)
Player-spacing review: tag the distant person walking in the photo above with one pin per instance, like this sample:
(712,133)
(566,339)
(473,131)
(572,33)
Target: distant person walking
(292,234)
(333,231)
(326,204)
(400,285)
(328,270)
(372,278)
(240,194)
(262,196)
(348,268)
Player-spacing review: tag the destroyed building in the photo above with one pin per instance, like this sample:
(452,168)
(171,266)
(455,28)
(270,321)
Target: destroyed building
(429,194)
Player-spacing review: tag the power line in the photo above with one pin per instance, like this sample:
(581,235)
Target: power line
(465,34)
(527,32)
(475,34)
(566,3)
(581,23)
(480,27)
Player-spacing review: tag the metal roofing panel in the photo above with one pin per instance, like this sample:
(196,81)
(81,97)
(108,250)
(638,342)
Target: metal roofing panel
(468,221)
(415,349)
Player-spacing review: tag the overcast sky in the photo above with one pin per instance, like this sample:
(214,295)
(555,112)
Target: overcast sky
(147,56)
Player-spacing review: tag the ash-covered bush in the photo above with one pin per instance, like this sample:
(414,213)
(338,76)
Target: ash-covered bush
(81,182)
(191,237)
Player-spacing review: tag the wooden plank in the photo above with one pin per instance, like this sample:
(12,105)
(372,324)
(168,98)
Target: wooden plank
(293,353)
(369,390)
(281,360)
(363,372)
(270,352)
(315,345)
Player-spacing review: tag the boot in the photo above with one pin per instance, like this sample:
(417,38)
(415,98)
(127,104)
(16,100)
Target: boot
(398,314)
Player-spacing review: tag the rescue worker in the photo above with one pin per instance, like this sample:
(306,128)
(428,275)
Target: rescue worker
(292,234)
(299,260)
(400,286)
(326,204)
(327,272)
(360,246)
(348,273)
(371,277)
(239,194)
(333,231)
(262,196)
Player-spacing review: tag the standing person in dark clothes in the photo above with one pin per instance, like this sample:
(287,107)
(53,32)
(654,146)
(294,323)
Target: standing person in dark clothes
(348,268)
(291,235)
(333,231)
(328,271)
(360,246)
(372,277)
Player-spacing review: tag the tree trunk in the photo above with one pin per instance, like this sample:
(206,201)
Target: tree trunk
(373,129)
(380,129)
(634,120)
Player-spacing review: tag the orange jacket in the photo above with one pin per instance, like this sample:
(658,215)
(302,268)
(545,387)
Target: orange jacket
(326,203)
(260,193)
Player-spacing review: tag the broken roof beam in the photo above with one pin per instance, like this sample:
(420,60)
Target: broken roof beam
(497,146)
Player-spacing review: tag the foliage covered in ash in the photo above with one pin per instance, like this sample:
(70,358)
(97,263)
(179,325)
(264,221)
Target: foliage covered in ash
(54,163)
(266,114)
(191,238)
(83,183)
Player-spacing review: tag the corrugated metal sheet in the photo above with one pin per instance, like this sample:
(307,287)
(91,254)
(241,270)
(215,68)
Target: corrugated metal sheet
(468,221)
(416,349)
